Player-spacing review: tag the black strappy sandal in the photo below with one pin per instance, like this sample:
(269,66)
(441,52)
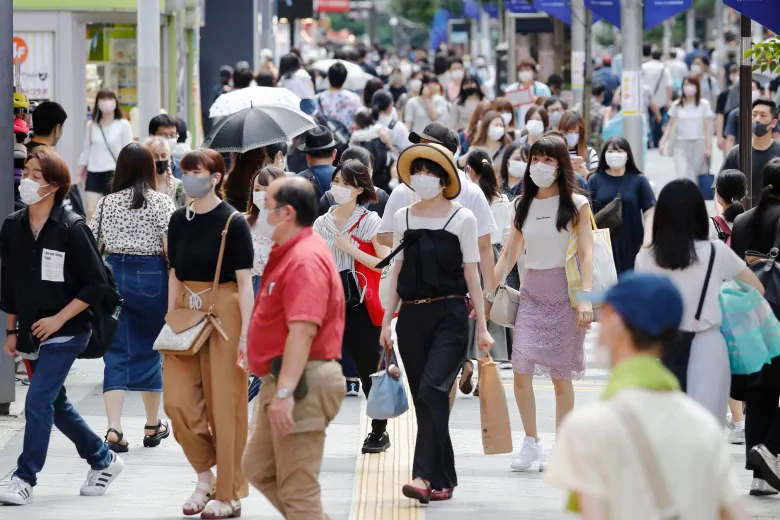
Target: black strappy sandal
(116,446)
(152,441)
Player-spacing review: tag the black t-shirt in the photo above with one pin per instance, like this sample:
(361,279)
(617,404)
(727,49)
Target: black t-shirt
(760,158)
(720,104)
(193,245)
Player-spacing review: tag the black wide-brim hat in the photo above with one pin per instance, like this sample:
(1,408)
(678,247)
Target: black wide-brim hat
(318,139)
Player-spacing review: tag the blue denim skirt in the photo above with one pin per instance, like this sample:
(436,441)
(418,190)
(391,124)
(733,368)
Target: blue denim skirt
(131,362)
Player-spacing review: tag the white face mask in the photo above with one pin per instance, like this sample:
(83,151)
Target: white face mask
(258,199)
(262,226)
(534,127)
(695,70)
(415,85)
(689,90)
(426,186)
(496,132)
(341,194)
(543,174)
(616,159)
(107,106)
(755,94)
(507,118)
(517,168)
(457,74)
(572,139)
(525,76)
(28,191)
(172,143)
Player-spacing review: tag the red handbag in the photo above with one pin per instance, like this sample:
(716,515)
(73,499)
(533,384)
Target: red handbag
(369,279)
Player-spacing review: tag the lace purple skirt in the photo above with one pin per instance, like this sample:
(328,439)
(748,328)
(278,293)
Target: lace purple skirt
(547,340)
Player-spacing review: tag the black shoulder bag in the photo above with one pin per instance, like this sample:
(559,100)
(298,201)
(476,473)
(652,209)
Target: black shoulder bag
(766,269)
(611,216)
(676,359)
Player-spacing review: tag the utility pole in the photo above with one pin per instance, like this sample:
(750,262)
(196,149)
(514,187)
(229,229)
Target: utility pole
(720,44)
(588,86)
(7,365)
(149,103)
(266,26)
(667,41)
(373,22)
(690,29)
(631,81)
(745,108)
(578,50)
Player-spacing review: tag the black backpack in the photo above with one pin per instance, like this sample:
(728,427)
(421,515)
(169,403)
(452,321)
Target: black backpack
(104,317)
(381,173)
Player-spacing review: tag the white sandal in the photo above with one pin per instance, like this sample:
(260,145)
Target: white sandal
(197,502)
(218,510)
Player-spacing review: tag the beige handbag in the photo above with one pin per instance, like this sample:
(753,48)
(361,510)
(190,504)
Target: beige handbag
(506,300)
(187,330)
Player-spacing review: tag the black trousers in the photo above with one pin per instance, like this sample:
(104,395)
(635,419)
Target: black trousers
(361,340)
(432,341)
(762,422)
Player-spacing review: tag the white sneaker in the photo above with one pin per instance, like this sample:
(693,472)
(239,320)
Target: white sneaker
(760,488)
(98,480)
(736,435)
(16,493)
(531,452)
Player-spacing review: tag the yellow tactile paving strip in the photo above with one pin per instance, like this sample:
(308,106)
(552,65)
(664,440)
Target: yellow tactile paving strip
(379,478)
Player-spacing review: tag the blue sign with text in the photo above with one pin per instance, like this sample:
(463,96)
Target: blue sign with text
(607,10)
(658,11)
(559,9)
(520,6)
(765,12)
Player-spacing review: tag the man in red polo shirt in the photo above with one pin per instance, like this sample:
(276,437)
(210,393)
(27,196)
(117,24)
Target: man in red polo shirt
(294,345)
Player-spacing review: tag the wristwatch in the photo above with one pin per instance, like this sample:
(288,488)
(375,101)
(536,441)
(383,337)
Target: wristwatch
(9,332)
(489,296)
(283,393)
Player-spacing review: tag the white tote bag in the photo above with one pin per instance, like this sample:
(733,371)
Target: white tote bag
(604,271)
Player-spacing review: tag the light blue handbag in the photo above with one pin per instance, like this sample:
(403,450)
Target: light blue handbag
(387,398)
(750,328)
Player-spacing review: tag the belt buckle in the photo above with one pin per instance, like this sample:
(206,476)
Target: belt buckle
(424,300)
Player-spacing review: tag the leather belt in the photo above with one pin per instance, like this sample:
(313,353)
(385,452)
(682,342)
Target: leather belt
(431,300)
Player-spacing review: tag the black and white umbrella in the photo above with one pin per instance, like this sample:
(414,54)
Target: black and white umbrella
(255,127)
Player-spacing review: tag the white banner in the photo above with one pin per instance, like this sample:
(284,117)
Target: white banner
(631,94)
(35,52)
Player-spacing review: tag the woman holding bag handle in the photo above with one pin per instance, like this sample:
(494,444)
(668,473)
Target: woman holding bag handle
(436,251)
(352,190)
(205,393)
(549,331)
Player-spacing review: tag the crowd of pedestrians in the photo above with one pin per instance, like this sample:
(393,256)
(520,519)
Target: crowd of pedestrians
(438,189)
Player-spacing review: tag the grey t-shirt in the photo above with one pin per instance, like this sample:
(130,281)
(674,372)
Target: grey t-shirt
(760,158)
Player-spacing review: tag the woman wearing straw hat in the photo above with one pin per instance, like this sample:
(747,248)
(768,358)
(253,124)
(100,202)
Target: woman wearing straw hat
(436,252)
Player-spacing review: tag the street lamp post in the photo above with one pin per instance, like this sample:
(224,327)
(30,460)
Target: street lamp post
(149,99)
(631,81)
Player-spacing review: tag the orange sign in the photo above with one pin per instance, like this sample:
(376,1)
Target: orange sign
(20,50)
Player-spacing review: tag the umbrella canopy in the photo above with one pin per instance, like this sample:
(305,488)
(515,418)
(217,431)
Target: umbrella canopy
(256,127)
(231,102)
(356,76)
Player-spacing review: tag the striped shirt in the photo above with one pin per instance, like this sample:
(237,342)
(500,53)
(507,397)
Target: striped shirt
(365,231)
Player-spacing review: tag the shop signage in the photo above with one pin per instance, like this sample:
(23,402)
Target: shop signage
(559,9)
(34,51)
(331,6)
(657,11)
(519,6)
(764,12)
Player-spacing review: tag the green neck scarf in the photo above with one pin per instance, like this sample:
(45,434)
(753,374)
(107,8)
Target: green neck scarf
(641,371)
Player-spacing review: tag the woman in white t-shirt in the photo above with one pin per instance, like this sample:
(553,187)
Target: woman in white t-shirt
(690,128)
(427,107)
(107,133)
(294,77)
(550,328)
(683,251)
(436,251)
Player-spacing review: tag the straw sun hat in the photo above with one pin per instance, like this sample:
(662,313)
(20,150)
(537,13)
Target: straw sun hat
(435,153)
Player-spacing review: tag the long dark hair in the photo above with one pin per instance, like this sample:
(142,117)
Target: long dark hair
(472,79)
(770,178)
(238,185)
(373,85)
(567,210)
(508,151)
(680,219)
(479,161)
(289,65)
(481,138)
(731,186)
(106,94)
(264,176)
(618,143)
(134,169)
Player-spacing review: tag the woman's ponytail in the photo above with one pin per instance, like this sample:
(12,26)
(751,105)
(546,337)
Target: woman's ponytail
(479,161)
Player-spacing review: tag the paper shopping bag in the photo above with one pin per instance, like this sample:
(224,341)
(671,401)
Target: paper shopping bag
(493,411)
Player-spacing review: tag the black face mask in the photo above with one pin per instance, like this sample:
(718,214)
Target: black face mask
(760,129)
(161,166)
(469,92)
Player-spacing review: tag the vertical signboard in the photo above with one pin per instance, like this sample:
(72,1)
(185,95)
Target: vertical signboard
(34,51)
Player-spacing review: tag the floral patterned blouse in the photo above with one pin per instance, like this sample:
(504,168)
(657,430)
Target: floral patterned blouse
(262,247)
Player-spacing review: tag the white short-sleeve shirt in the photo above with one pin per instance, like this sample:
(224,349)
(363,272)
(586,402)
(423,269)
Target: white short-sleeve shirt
(471,197)
(690,281)
(595,455)
(690,119)
(545,246)
(463,225)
